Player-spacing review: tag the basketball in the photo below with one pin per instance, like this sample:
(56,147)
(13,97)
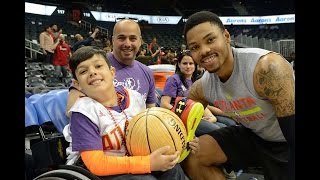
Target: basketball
(154,128)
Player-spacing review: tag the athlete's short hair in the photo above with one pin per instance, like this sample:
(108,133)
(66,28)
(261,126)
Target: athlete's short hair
(201,17)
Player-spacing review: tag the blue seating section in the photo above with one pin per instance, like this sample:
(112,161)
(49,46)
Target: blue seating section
(55,102)
(37,101)
(31,117)
(47,107)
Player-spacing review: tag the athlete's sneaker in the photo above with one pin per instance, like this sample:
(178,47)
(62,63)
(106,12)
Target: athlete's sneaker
(190,113)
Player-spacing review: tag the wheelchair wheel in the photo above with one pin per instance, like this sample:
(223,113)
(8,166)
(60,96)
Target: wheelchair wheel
(68,172)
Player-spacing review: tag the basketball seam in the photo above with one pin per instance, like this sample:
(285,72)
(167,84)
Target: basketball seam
(147,113)
(172,114)
(145,117)
(161,109)
(175,147)
(133,126)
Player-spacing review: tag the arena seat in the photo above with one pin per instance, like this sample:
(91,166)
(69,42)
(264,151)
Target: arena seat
(161,72)
(54,82)
(34,66)
(34,73)
(35,82)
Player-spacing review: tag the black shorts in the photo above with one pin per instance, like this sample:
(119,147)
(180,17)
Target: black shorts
(244,149)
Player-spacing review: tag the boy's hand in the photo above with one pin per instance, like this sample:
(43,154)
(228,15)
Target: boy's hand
(160,161)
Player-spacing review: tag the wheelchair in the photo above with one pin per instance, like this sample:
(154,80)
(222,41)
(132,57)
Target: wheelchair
(44,122)
(45,145)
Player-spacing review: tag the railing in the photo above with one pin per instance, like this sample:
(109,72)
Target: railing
(32,49)
(284,46)
(88,26)
(287,46)
(85,25)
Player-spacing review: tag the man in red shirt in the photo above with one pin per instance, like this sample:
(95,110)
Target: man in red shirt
(61,57)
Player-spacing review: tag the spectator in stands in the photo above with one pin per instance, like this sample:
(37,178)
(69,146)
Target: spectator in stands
(98,40)
(61,57)
(107,46)
(155,50)
(183,47)
(47,44)
(256,88)
(177,85)
(142,57)
(171,56)
(55,31)
(87,130)
(144,45)
(131,74)
(142,52)
(84,42)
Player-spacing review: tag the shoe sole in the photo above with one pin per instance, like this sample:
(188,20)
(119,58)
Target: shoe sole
(194,117)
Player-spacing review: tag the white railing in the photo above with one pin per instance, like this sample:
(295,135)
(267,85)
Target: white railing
(284,46)
(88,26)
(32,49)
(287,46)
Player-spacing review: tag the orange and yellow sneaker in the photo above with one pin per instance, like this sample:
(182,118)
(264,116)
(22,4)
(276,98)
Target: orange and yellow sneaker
(190,113)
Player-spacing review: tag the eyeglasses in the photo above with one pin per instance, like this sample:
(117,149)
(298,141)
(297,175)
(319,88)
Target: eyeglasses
(184,53)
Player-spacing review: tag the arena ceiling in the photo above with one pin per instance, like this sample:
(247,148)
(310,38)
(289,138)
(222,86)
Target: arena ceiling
(174,7)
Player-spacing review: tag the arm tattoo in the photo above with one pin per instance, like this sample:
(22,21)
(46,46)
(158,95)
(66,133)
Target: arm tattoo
(276,82)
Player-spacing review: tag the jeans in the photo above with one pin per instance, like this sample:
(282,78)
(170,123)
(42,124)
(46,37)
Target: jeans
(48,58)
(225,120)
(205,127)
(61,69)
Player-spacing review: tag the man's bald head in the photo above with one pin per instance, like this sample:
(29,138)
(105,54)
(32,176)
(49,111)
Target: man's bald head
(126,23)
(126,41)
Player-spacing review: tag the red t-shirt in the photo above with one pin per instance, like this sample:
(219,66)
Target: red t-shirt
(61,54)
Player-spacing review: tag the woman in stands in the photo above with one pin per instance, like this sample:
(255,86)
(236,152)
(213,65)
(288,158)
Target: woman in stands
(178,85)
(154,49)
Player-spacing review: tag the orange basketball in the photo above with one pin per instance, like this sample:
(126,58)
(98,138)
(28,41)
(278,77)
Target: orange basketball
(154,128)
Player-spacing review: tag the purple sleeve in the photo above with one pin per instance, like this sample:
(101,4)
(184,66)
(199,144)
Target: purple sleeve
(85,134)
(151,98)
(171,87)
(150,84)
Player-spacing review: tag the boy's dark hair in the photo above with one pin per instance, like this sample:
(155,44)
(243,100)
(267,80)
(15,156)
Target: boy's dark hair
(201,17)
(83,54)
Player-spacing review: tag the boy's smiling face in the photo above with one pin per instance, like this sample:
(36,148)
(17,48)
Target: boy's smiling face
(94,76)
